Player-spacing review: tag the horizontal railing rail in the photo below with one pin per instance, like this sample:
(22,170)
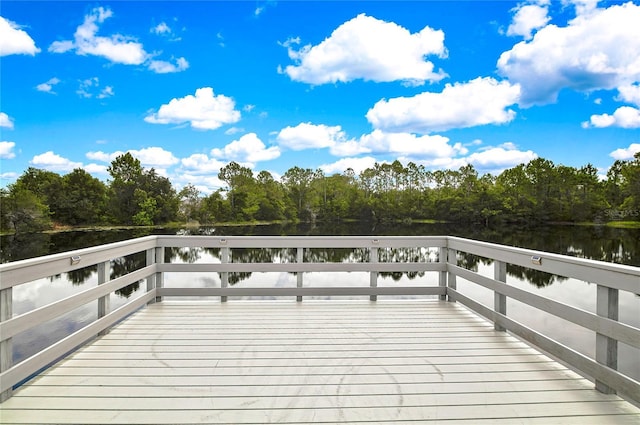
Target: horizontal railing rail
(443,253)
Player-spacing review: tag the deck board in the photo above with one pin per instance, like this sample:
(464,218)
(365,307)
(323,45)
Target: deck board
(262,362)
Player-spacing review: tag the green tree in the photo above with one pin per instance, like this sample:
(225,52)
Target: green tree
(23,211)
(125,171)
(83,199)
(298,182)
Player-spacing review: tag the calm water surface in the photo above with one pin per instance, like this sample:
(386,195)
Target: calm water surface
(594,242)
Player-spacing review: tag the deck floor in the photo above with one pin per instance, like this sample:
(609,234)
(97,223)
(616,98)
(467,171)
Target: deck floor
(248,362)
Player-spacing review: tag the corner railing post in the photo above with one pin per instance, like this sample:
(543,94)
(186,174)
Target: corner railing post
(151,280)
(6,345)
(373,276)
(499,300)
(299,275)
(224,276)
(452,259)
(442,276)
(104,274)
(606,348)
(159,281)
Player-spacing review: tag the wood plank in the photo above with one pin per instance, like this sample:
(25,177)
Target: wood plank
(553,413)
(321,399)
(301,367)
(84,390)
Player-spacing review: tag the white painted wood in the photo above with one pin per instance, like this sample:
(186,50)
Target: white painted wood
(303,267)
(104,275)
(373,276)
(159,276)
(606,347)
(299,275)
(51,311)
(49,355)
(290,370)
(610,377)
(499,300)
(612,275)
(310,291)
(18,272)
(442,276)
(605,326)
(224,276)
(452,261)
(6,340)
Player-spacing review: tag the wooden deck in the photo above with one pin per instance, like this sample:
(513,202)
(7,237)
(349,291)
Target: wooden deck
(245,362)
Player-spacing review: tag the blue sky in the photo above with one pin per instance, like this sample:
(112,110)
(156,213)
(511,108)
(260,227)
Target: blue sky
(189,86)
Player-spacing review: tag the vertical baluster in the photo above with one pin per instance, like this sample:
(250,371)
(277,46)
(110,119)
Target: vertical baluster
(442,276)
(499,300)
(373,276)
(452,258)
(159,276)
(104,275)
(606,348)
(6,346)
(299,278)
(151,280)
(224,276)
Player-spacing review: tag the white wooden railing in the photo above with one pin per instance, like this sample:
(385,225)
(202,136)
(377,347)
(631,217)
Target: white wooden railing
(443,253)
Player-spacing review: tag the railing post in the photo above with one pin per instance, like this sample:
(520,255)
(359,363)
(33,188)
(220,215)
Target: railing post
(606,348)
(6,346)
(452,258)
(104,274)
(299,281)
(373,276)
(224,276)
(151,280)
(159,276)
(499,300)
(442,277)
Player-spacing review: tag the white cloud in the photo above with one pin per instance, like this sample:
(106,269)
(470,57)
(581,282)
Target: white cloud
(161,29)
(201,164)
(477,102)
(233,130)
(116,48)
(500,158)
(358,165)
(164,67)
(156,157)
(599,49)
(14,40)
(6,121)
(91,88)
(204,111)
(96,169)
(527,19)
(10,176)
(53,162)
(103,156)
(249,148)
(406,144)
(310,136)
(624,116)
(106,92)
(6,150)
(48,86)
(626,153)
(370,49)
(630,93)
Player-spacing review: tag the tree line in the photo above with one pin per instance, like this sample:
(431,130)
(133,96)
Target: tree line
(533,193)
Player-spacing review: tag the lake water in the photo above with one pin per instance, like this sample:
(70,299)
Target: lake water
(594,242)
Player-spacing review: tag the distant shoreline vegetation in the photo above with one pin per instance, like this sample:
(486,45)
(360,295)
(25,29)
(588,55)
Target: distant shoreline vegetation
(529,194)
